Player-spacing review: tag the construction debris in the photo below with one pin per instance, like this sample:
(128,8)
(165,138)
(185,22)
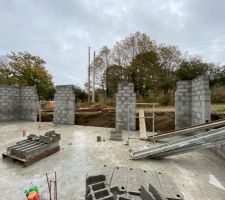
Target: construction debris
(121,183)
(32,193)
(33,148)
(117,134)
(99,139)
(203,140)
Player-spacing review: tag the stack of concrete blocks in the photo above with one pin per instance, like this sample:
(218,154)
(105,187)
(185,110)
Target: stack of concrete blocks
(18,103)
(64,112)
(126,104)
(28,103)
(192,102)
(34,145)
(117,134)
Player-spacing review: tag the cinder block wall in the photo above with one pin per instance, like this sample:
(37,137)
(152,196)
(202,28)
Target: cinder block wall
(64,112)
(192,102)
(28,103)
(9,103)
(183,104)
(125,96)
(200,100)
(18,103)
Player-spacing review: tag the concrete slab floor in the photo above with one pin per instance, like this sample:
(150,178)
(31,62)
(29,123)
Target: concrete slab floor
(199,175)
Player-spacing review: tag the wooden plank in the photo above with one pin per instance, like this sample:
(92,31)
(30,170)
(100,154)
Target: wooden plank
(142,125)
(191,129)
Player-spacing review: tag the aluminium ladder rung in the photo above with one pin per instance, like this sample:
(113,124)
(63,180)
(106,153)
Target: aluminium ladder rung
(196,140)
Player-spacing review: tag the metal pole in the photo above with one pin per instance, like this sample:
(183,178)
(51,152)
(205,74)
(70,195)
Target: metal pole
(89,63)
(49,187)
(55,186)
(93,87)
(39,115)
(128,127)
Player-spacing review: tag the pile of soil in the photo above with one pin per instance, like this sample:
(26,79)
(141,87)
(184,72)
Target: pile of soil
(164,121)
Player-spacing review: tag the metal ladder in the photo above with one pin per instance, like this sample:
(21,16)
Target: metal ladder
(200,141)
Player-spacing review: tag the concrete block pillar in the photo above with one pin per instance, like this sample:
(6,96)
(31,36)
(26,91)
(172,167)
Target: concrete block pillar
(183,104)
(192,102)
(126,99)
(64,98)
(201,100)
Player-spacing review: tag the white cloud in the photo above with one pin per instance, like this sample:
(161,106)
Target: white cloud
(61,31)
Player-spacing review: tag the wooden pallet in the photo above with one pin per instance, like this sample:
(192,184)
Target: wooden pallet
(25,162)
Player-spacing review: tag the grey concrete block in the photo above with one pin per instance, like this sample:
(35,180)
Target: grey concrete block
(124,96)
(64,111)
(192,102)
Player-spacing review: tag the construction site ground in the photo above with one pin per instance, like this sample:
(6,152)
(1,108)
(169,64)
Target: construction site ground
(198,175)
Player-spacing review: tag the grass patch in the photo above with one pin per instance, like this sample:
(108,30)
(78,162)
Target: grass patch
(221,110)
(88,113)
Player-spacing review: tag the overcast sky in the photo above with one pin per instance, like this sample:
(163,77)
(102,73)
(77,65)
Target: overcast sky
(60,31)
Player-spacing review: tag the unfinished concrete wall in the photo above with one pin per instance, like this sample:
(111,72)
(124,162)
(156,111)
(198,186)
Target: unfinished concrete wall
(28,103)
(64,112)
(18,103)
(183,104)
(124,97)
(9,103)
(192,102)
(200,100)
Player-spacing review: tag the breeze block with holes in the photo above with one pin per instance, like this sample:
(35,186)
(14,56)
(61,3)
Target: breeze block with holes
(122,183)
(33,148)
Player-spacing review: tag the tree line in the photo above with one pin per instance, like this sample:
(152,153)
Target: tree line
(153,68)
(24,69)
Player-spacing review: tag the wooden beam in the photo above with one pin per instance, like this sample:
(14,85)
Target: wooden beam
(142,125)
(201,127)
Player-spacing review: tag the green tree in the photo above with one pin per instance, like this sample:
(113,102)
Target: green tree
(25,69)
(102,62)
(114,75)
(145,72)
(191,68)
(81,95)
(5,72)
(170,59)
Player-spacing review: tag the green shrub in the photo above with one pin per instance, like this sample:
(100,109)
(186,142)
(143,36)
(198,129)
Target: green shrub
(218,95)
(163,100)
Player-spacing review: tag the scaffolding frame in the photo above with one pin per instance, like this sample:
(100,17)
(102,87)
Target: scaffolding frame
(151,109)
